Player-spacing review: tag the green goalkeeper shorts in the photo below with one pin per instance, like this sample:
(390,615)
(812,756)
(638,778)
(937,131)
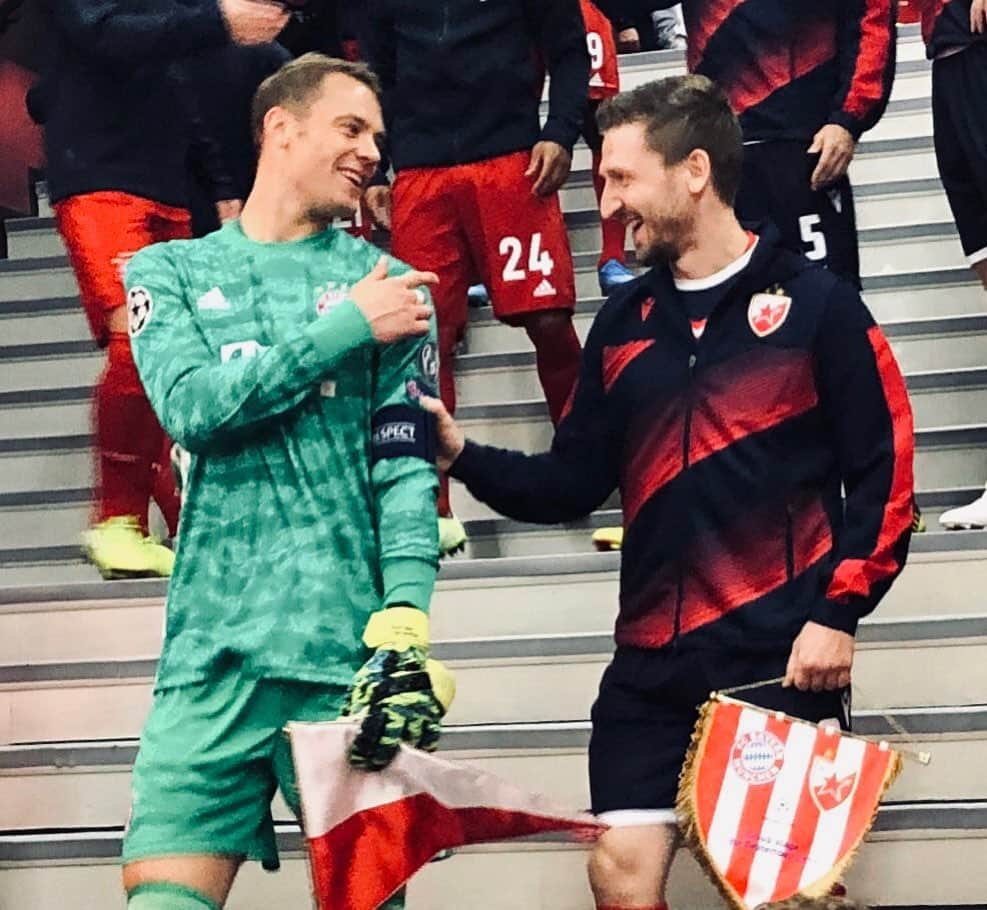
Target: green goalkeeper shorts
(211,757)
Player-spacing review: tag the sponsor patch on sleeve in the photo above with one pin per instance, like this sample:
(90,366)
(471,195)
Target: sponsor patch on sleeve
(140,306)
(428,362)
(402,431)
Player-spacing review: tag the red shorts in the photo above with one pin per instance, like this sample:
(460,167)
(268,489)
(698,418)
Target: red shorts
(481,222)
(102,231)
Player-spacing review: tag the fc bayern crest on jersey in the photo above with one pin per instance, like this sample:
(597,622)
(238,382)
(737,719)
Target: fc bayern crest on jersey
(766,313)
(757,757)
(831,785)
(139,309)
(331,298)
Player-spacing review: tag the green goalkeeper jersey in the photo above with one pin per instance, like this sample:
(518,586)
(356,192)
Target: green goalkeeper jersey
(310,498)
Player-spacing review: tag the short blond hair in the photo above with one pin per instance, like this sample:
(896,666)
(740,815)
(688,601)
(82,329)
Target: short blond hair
(294,85)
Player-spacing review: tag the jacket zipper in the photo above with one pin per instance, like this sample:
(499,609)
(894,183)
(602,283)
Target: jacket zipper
(789,542)
(686,433)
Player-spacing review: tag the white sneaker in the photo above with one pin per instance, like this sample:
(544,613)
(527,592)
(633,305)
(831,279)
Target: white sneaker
(967,517)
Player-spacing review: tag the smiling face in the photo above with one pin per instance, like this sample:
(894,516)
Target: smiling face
(651,198)
(328,147)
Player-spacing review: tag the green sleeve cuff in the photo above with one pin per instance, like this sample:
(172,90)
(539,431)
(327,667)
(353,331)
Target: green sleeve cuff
(339,332)
(408,581)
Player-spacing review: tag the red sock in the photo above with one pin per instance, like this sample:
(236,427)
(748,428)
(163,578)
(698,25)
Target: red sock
(557,354)
(128,437)
(447,391)
(614,233)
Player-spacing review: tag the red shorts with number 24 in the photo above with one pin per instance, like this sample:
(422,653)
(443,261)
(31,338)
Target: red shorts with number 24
(481,222)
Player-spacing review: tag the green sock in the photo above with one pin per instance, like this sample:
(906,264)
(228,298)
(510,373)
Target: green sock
(167,896)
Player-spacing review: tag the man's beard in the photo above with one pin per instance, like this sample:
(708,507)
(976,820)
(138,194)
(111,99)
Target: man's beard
(672,237)
(325,213)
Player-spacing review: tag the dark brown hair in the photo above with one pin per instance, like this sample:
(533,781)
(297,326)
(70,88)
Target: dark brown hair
(297,81)
(680,114)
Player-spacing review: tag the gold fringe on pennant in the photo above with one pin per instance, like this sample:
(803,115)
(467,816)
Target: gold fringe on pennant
(687,811)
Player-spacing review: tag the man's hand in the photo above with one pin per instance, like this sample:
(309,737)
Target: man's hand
(253,21)
(628,41)
(394,307)
(228,209)
(378,199)
(452,440)
(978,17)
(821,659)
(835,146)
(549,166)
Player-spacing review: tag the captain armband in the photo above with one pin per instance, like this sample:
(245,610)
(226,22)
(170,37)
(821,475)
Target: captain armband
(402,430)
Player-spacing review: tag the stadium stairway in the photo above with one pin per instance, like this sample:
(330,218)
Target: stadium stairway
(524,619)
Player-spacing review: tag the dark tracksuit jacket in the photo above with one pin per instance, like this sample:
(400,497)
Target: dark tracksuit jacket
(462,79)
(946,25)
(729,453)
(789,68)
(114,117)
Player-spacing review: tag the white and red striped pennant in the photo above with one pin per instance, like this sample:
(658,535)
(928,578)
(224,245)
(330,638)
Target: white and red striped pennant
(369,832)
(774,806)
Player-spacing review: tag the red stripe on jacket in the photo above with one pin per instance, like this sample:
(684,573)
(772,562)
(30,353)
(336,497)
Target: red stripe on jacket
(745,395)
(776,70)
(856,577)
(727,570)
(867,84)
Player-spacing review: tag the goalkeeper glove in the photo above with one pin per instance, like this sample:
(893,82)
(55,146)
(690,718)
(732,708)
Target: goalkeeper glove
(399,694)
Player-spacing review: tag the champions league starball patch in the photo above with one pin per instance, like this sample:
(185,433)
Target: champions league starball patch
(139,309)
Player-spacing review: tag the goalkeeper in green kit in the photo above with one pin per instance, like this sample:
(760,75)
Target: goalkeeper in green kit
(287,358)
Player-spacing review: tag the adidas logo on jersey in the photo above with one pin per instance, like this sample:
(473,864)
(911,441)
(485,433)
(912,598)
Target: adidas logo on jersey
(545,289)
(213,300)
(596,81)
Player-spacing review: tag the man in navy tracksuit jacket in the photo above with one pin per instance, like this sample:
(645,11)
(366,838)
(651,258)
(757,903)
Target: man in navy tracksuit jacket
(730,393)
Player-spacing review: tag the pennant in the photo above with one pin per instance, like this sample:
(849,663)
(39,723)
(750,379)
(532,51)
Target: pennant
(773,806)
(369,832)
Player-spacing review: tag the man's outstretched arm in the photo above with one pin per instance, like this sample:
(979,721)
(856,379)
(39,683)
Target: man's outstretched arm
(563,484)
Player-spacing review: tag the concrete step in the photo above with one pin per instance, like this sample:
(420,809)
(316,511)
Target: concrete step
(475,598)
(940,367)
(525,679)
(87,785)
(933,365)
(36,279)
(27,322)
(946,456)
(918,855)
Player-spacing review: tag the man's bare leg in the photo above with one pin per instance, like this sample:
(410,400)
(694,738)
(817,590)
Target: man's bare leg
(629,866)
(208,875)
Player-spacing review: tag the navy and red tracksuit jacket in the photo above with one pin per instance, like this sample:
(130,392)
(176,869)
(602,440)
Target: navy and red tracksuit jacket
(730,453)
(789,68)
(946,25)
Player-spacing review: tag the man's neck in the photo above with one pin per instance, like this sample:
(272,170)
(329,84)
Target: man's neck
(719,241)
(272,215)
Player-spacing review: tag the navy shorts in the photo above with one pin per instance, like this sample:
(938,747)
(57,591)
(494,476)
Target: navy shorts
(646,712)
(820,224)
